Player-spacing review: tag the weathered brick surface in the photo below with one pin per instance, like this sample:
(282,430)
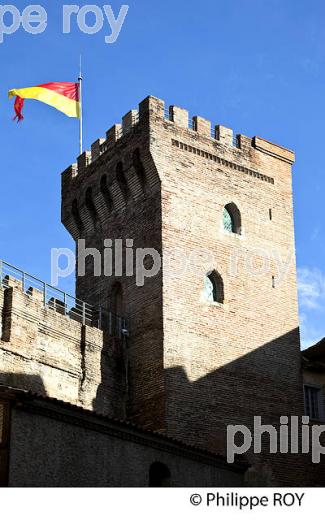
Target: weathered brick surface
(43,351)
(136,217)
(56,445)
(195,367)
(188,367)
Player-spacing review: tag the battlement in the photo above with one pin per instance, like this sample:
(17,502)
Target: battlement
(61,302)
(153,111)
(48,346)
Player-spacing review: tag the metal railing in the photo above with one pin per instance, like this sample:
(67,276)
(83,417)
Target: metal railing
(167,114)
(235,141)
(62,302)
(103,147)
(192,126)
(168,117)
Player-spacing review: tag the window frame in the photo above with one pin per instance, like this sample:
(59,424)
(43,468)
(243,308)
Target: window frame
(226,215)
(234,214)
(320,401)
(218,288)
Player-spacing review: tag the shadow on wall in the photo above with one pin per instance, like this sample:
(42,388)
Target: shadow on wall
(112,392)
(267,382)
(23,382)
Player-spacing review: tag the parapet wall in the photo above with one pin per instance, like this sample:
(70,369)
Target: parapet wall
(156,110)
(43,351)
(92,191)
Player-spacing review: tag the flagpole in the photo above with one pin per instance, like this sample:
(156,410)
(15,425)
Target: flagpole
(80,101)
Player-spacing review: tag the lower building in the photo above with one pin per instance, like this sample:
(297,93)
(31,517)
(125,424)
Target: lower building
(48,443)
(313,363)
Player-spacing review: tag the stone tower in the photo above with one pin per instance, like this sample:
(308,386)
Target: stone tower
(213,337)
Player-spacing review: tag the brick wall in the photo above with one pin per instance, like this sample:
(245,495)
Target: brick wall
(192,367)
(137,216)
(53,355)
(47,436)
(225,364)
(195,367)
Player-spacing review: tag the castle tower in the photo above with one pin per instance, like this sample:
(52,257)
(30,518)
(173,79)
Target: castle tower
(213,337)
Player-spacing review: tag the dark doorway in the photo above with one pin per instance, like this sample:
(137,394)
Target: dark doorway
(159,475)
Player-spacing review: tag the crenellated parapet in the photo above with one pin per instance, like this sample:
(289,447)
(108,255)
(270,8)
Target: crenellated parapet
(120,168)
(49,351)
(155,109)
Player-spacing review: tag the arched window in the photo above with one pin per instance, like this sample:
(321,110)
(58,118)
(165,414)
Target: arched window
(76,215)
(213,287)
(159,475)
(138,166)
(121,179)
(106,193)
(90,205)
(231,219)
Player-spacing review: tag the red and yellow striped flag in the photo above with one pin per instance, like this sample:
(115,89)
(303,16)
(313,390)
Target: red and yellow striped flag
(62,96)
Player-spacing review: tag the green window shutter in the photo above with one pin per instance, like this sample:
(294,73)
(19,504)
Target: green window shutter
(228,223)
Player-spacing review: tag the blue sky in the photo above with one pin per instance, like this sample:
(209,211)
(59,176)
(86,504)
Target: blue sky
(257,66)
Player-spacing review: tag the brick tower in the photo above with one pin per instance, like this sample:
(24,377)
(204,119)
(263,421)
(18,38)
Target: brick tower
(213,337)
